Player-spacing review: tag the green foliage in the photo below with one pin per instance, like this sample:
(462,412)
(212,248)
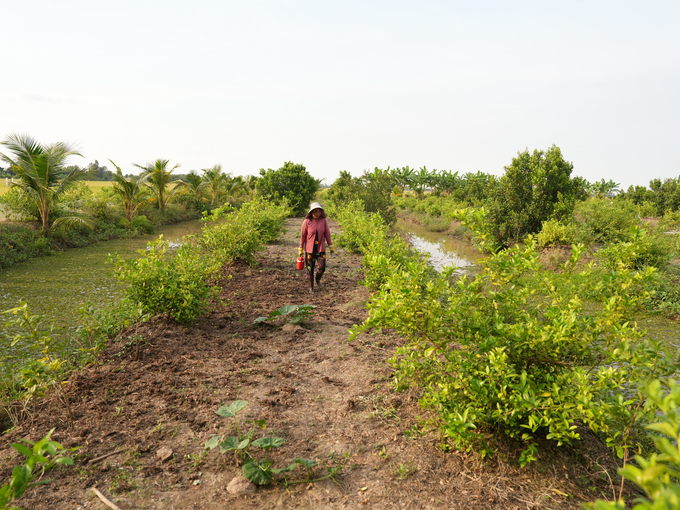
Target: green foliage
(176,285)
(130,190)
(232,234)
(366,233)
(382,257)
(291,183)
(18,244)
(158,176)
(299,314)
(602,220)
(641,250)
(514,350)
(555,233)
(536,187)
(359,228)
(40,457)
(373,189)
(266,217)
(43,176)
(659,473)
(259,471)
(16,207)
(665,296)
(142,224)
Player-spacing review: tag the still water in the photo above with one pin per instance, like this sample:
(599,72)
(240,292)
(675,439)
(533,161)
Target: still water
(58,285)
(444,250)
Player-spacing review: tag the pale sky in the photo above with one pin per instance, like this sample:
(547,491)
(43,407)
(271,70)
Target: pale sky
(351,85)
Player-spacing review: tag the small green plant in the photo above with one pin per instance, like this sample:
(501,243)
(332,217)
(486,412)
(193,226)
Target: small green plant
(259,471)
(403,471)
(299,314)
(40,457)
(38,374)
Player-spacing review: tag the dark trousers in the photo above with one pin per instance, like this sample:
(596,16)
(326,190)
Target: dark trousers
(312,259)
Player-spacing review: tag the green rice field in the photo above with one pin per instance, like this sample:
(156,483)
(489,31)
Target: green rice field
(94,185)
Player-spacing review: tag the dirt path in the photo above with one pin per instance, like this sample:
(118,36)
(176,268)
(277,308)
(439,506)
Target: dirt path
(326,397)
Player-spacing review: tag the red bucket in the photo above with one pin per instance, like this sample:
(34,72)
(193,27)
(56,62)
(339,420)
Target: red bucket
(300,262)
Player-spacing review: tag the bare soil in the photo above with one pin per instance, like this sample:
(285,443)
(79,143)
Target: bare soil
(329,399)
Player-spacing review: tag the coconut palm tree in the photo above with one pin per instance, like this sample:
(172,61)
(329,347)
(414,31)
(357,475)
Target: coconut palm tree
(194,185)
(131,190)
(215,181)
(158,176)
(43,176)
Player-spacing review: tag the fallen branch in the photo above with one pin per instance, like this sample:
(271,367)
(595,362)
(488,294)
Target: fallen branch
(99,459)
(104,500)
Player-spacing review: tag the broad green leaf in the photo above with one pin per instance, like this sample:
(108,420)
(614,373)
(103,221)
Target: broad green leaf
(253,472)
(261,423)
(287,309)
(305,462)
(284,470)
(269,442)
(229,443)
(225,411)
(229,411)
(261,319)
(238,405)
(212,442)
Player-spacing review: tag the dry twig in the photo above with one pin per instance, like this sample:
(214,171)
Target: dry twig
(103,499)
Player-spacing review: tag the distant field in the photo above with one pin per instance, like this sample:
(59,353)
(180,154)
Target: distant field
(94,185)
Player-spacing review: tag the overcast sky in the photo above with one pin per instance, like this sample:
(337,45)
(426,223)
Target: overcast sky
(351,85)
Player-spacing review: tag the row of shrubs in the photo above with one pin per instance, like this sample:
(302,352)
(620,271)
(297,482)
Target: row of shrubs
(526,351)
(597,220)
(182,285)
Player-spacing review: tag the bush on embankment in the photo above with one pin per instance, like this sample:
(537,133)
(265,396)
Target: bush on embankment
(517,349)
(181,285)
(366,233)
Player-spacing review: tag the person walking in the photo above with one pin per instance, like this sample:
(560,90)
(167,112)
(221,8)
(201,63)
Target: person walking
(314,236)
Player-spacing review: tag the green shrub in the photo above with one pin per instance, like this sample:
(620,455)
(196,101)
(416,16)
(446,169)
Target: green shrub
(373,189)
(642,250)
(536,187)
(554,233)
(665,298)
(602,220)
(18,244)
(359,228)
(172,284)
(517,351)
(671,220)
(17,207)
(231,234)
(142,224)
(658,473)
(382,258)
(292,183)
(266,217)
